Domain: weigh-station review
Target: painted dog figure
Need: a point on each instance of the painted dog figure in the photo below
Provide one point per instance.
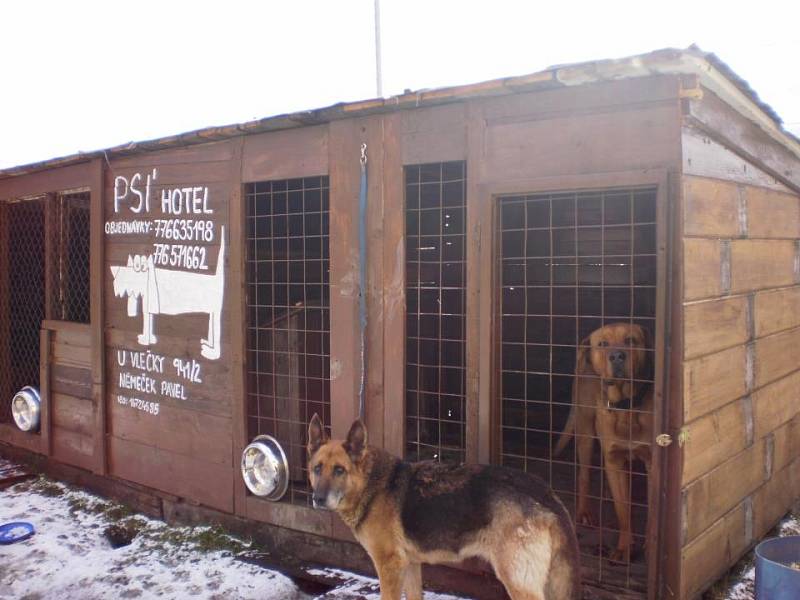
(172, 292)
(405, 514)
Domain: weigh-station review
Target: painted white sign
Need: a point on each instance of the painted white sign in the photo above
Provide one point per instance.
(168, 292)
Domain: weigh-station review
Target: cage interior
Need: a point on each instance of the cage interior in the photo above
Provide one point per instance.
(288, 375)
(570, 266)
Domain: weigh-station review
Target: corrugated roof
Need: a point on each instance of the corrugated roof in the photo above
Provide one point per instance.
(668, 60)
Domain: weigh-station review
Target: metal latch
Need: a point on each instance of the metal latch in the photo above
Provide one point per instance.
(664, 440)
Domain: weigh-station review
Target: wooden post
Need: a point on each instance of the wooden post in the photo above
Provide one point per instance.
(45, 427)
(394, 287)
(97, 313)
(238, 321)
(479, 334)
(344, 142)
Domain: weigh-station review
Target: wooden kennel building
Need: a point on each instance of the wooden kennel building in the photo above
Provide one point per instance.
(172, 299)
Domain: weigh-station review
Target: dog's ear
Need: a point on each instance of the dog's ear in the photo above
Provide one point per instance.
(648, 338)
(356, 442)
(582, 359)
(316, 435)
(648, 368)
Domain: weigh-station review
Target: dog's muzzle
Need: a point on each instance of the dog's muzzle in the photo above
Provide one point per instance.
(617, 360)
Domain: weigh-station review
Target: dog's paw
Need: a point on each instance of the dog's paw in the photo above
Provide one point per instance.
(620, 555)
(584, 517)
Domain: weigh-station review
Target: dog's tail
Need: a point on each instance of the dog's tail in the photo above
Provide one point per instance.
(569, 429)
(580, 367)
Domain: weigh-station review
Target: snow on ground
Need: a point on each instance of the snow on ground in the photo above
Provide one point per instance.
(70, 557)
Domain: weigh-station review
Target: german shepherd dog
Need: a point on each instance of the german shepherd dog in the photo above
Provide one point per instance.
(405, 514)
(612, 400)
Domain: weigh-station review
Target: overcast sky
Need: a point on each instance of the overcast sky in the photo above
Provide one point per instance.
(79, 76)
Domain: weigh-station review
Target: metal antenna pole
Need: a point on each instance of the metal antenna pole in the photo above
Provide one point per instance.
(378, 48)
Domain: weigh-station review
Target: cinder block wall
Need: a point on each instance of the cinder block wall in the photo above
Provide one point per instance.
(741, 370)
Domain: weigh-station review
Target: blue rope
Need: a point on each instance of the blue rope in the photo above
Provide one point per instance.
(362, 279)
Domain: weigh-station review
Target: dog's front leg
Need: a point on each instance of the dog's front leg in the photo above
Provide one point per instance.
(413, 581)
(391, 570)
(584, 445)
(619, 482)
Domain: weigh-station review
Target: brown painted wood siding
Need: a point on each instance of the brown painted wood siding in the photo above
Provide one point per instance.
(169, 399)
(741, 371)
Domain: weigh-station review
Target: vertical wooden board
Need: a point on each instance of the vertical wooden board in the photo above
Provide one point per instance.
(480, 334)
(714, 325)
(237, 285)
(5, 356)
(713, 381)
(52, 249)
(394, 287)
(374, 337)
(46, 415)
(776, 355)
(714, 494)
(702, 269)
(707, 557)
(776, 310)
(713, 438)
(759, 264)
(772, 214)
(776, 404)
(344, 140)
(670, 515)
(97, 316)
(711, 208)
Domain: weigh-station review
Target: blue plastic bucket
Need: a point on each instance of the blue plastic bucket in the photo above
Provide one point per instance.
(775, 579)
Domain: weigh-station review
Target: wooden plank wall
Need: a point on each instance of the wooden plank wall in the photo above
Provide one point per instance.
(69, 390)
(169, 401)
(741, 369)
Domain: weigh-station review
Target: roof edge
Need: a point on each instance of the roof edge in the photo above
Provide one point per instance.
(713, 73)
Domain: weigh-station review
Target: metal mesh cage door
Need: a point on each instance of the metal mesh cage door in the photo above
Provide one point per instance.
(24, 296)
(576, 292)
(288, 324)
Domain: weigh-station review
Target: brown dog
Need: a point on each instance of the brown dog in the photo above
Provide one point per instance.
(612, 400)
(405, 514)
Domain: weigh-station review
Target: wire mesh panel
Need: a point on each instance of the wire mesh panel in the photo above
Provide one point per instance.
(70, 297)
(288, 342)
(436, 306)
(577, 315)
(25, 295)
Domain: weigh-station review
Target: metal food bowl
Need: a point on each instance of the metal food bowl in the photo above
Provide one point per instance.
(265, 469)
(26, 408)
